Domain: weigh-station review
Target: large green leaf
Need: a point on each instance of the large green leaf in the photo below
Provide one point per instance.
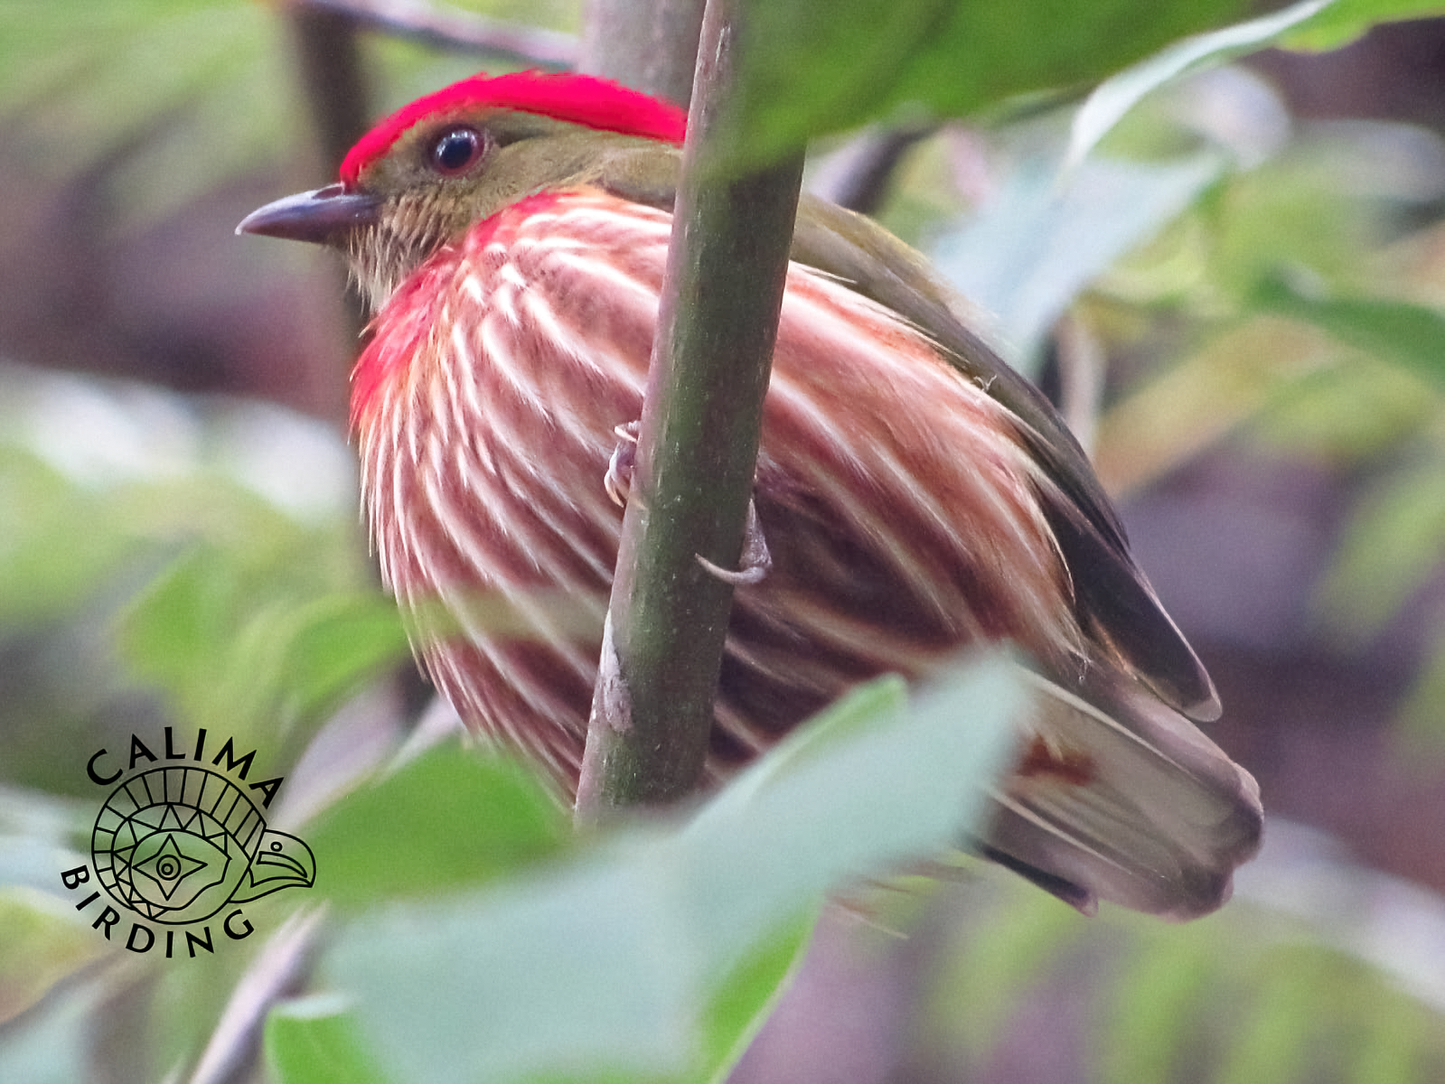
(1041, 238)
(47, 567)
(1391, 548)
(1345, 20)
(449, 819)
(740, 1003)
(1121, 92)
(316, 1040)
(816, 66)
(1410, 335)
(819, 66)
(653, 954)
(41, 942)
(235, 641)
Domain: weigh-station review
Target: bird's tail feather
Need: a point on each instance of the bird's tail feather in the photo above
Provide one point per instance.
(1118, 797)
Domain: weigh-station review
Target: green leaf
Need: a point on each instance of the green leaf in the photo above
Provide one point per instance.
(316, 1041)
(838, 722)
(583, 967)
(815, 66)
(1007, 948)
(338, 641)
(233, 640)
(1410, 335)
(447, 820)
(1289, 1010)
(1345, 20)
(1042, 238)
(177, 630)
(742, 1001)
(1113, 98)
(41, 942)
(47, 567)
(905, 788)
(299, 659)
(1155, 996)
(1391, 547)
(645, 956)
(54, 1043)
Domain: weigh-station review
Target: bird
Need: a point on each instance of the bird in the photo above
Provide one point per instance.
(916, 496)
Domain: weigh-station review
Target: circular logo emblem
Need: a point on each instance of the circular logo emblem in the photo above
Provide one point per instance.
(176, 845)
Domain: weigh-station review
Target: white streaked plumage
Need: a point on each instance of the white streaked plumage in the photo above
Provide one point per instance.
(903, 512)
(552, 384)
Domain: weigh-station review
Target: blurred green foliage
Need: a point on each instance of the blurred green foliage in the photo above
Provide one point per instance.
(1277, 277)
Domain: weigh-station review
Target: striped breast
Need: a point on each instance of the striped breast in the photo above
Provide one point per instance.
(899, 507)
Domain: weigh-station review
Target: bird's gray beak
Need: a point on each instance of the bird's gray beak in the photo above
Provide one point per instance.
(323, 217)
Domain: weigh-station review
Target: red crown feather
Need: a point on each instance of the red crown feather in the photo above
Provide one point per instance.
(579, 99)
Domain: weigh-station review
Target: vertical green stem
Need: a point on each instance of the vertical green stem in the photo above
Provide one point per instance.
(696, 456)
(333, 76)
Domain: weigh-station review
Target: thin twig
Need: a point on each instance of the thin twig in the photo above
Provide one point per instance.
(337, 93)
(451, 30)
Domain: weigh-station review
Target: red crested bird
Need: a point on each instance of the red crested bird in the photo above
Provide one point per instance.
(915, 494)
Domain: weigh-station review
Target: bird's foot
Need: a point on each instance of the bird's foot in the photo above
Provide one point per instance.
(618, 479)
(755, 562)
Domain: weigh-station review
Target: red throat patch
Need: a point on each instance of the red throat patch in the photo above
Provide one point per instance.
(578, 99)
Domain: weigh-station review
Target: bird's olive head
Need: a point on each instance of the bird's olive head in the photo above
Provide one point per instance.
(423, 177)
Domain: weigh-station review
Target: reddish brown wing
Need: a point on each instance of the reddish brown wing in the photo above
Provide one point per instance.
(1114, 598)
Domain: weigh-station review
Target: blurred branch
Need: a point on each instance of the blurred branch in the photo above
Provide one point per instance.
(857, 176)
(332, 77)
(334, 82)
(282, 966)
(1081, 376)
(450, 30)
(649, 45)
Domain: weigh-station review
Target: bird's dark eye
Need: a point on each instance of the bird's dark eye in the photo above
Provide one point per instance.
(456, 150)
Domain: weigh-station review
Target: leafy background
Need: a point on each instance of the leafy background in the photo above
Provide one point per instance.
(1226, 264)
